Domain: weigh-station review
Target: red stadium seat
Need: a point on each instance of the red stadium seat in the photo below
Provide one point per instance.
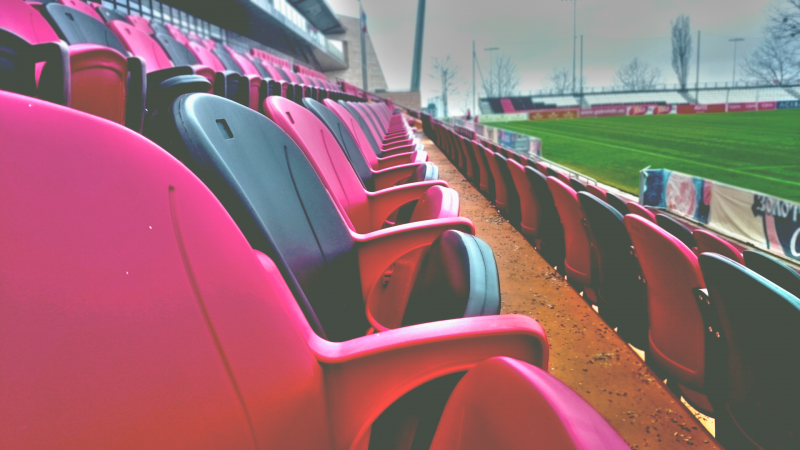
(366, 211)
(671, 272)
(141, 23)
(492, 405)
(596, 191)
(529, 205)
(500, 189)
(512, 197)
(550, 240)
(82, 7)
(677, 229)
(579, 259)
(710, 242)
(639, 210)
(136, 314)
(485, 182)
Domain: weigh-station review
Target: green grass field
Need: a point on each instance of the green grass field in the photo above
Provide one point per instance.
(753, 150)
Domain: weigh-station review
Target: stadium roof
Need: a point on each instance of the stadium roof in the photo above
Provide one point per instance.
(320, 14)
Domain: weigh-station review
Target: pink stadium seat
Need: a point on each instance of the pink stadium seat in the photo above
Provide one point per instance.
(484, 181)
(377, 161)
(671, 272)
(136, 314)
(466, 152)
(176, 33)
(578, 262)
(596, 191)
(500, 188)
(639, 210)
(541, 167)
(710, 242)
(141, 23)
(82, 7)
(367, 211)
(508, 107)
(492, 404)
(529, 205)
(98, 76)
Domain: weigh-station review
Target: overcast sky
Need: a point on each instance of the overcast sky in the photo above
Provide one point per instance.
(537, 35)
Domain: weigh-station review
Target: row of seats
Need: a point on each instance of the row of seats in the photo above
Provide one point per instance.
(126, 69)
(287, 276)
(687, 297)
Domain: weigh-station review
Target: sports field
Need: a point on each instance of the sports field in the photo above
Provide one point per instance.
(754, 150)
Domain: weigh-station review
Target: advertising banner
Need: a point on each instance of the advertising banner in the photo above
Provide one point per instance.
(701, 109)
(665, 109)
(496, 118)
(767, 222)
(788, 104)
(604, 111)
(740, 107)
(553, 114)
(766, 106)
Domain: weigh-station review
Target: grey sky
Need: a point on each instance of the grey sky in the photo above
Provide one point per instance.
(537, 35)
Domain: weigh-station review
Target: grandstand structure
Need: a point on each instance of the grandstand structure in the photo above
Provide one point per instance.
(606, 97)
(208, 244)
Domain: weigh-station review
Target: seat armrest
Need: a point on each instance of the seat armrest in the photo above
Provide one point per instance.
(391, 151)
(378, 250)
(156, 77)
(386, 178)
(395, 160)
(386, 201)
(58, 85)
(366, 375)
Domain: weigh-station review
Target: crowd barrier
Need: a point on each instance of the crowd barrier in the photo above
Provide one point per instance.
(516, 142)
(635, 110)
(769, 223)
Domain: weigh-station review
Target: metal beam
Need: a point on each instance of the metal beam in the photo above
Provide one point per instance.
(417, 67)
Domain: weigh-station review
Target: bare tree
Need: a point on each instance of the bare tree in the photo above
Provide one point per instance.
(775, 61)
(559, 80)
(503, 79)
(682, 48)
(637, 75)
(785, 20)
(446, 73)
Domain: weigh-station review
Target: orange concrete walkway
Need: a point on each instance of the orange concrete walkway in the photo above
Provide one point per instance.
(585, 353)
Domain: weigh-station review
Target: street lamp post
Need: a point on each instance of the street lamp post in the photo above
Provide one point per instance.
(735, 41)
(491, 66)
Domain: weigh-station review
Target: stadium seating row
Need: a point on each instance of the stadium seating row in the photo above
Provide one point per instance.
(704, 311)
(228, 274)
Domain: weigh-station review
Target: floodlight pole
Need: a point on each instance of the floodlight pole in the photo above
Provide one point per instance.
(581, 81)
(491, 68)
(417, 64)
(474, 56)
(697, 80)
(735, 41)
(574, 38)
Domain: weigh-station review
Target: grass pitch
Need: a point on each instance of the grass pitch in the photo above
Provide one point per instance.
(753, 150)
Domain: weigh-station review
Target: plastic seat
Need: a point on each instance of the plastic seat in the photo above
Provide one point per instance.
(108, 14)
(617, 203)
(276, 197)
(101, 81)
(773, 270)
(484, 179)
(376, 173)
(621, 295)
(470, 171)
(541, 167)
(639, 210)
(366, 211)
(528, 203)
(82, 7)
(710, 242)
(677, 229)
(753, 362)
(597, 192)
(671, 272)
(375, 143)
(141, 23)
(550, 240)
(136, 314)
(492, 405)
(500, 188)
(577, 185)
(579, 259)
(387, 142)
(79, 28)
(512, 197)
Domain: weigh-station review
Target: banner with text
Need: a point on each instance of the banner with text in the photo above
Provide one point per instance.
(766, 222)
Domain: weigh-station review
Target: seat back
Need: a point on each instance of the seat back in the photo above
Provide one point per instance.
(466, 149)
(18, 68)
(578, 261)
(597, 191)
(177, 51)
(671, 273)
(226, 60)
(677, 229)
(458, 277)
(621, 294)
(639, 210)
(551, 232)
(512, 198)
(109, 14)
(175, 33)
(141, 23)
(248, 68)
(492, 407)
(352, 123)
(710, 242)
(337, 126)
(773, 270)
(372, 139)
(577, 185)
(528, 204)
(759, 325)
(328, 159)
(142, 45)
(78, 28)
(205, 57)
(276, 197)
(617, 203)
(484, 179)
(23, 20)
(82, 7)
(134, 311)
(500, 188)
(99, 82)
